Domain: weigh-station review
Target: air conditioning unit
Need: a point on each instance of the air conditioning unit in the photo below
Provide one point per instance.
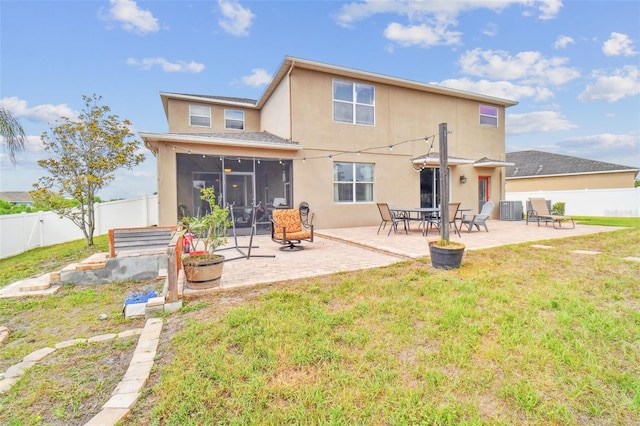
(510, 210)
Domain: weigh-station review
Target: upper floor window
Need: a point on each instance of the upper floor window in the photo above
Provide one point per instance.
(200, 116)
(353, 182)
(488, 115)
(234, 119)
(353, 102)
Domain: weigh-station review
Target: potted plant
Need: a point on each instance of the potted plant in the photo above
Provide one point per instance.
(445, 254)
(202, 235)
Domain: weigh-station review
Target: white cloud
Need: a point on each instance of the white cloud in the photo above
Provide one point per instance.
(549, 9)
(611, 88)
(609, 147)
(429, 22)
(605, 140)
(259, 77)
(536, 122)
(499, 89)
(132, 18)
(490, 30)
(563, 41)
(619, 44)
(236, 19)
(421, 35)
(166, 66)
(45, 113)
(416, 10)
(530, 67)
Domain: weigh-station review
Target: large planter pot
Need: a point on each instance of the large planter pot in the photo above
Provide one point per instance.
(446, 257)
(203, 273)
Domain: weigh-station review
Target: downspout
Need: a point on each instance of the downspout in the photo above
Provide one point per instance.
(293, 63)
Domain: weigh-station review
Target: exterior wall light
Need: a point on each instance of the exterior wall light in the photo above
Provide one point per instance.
(463, 179)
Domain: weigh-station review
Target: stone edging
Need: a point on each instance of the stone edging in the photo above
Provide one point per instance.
(126, 394)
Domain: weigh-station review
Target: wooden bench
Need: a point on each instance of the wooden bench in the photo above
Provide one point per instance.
(139, 239)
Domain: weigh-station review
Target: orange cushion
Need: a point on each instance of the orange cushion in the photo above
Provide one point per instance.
(287, 218)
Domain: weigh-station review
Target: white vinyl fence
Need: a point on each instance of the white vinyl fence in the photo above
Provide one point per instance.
(24, 231)
(621, 202)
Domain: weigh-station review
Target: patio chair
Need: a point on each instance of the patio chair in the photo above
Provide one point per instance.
(453, 213)
(539, 210)
(479, 219)
(392, 218)
(287, 229)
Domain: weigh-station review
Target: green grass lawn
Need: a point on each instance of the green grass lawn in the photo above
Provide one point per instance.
(516, 336)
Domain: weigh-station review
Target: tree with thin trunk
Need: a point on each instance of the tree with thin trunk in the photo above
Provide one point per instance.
(83, 156)
(12, 134)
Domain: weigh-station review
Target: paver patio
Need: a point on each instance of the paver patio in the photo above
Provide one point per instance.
(348, 249)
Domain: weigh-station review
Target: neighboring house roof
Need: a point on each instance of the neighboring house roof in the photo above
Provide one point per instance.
(16, 197)
(290, 63)
(529, 164)
(246, 139)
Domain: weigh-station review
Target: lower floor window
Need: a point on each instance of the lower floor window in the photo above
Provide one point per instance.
(353, 182)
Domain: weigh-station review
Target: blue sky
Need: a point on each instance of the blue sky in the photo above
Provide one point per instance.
(573, 66)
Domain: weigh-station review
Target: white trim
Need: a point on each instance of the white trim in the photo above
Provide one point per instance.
(494, 164)
(571, 174)
(435, 161)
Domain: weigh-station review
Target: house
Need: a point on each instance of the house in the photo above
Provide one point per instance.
(17, 197)
(337, 138)
(544, 171)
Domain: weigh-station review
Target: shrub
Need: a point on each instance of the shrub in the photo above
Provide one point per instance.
(558, 208)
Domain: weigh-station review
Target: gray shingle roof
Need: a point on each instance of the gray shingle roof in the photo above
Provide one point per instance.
(538, 163)
(243, 136)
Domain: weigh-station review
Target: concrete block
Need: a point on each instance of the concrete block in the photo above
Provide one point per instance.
(108, 416)
(135, 310)
(129, 386)
(172, 307)
(143, 357)
(137, 371)
(122, 400)
(129, 333)
(155, 301)
(16, 370)
(102, 337)
(37, 355)
(154, 311)
(5, 384)
(68, 343)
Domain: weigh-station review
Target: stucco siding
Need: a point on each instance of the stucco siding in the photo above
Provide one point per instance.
(276, 112)
(179, 118)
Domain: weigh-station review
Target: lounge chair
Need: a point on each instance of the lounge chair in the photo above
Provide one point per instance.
(479, 219)
(539, 210)
(392, 218)
(287, 229)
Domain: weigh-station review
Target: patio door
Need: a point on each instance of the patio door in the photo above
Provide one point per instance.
(483, 191)
(430, 187)
(238, 191)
